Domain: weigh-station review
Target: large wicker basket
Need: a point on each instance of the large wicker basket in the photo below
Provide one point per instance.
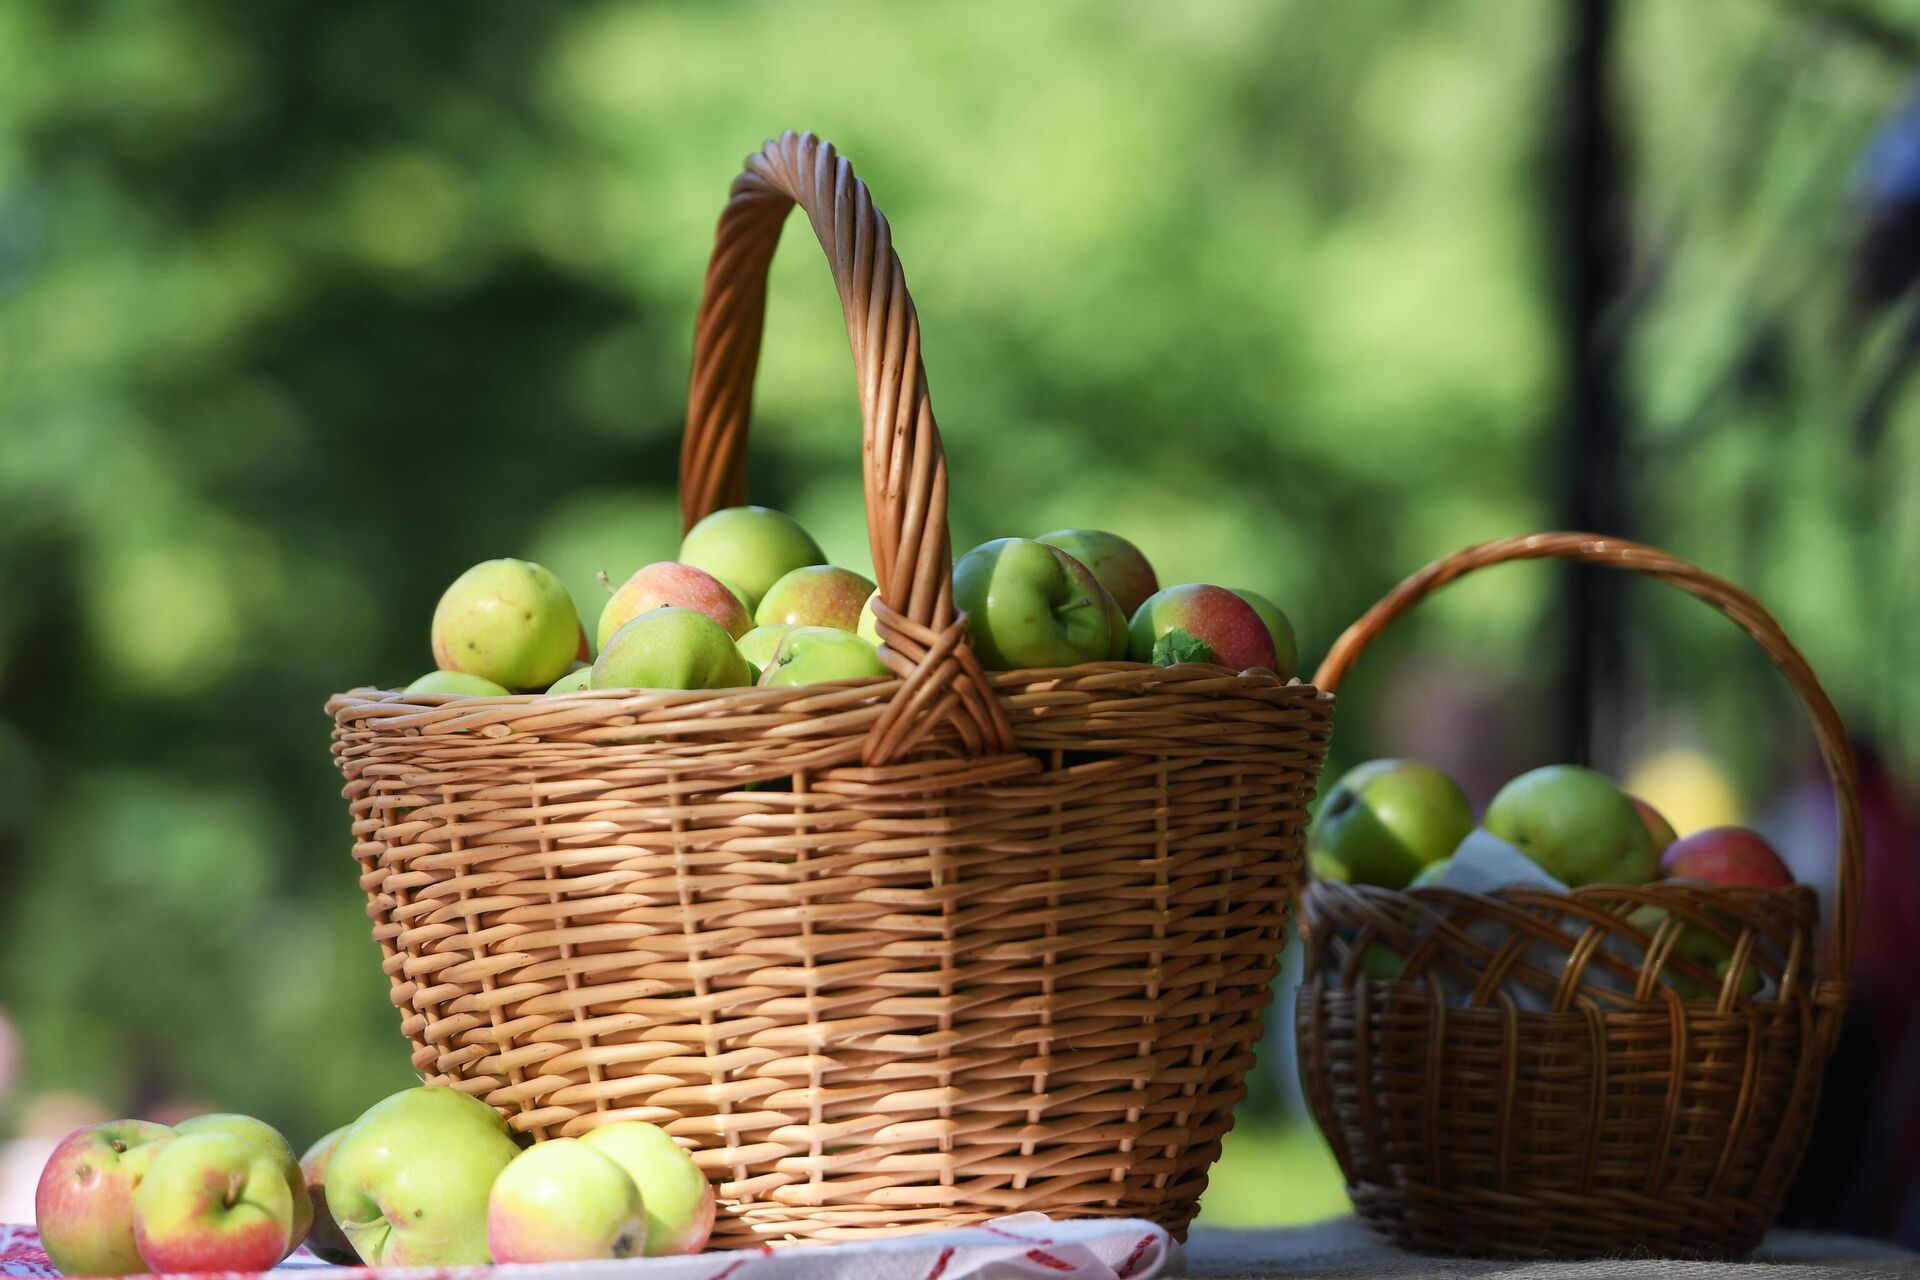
(884, 954)
(1529, 1084)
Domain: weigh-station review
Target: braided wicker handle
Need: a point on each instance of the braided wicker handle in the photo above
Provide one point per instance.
(925, 641)
(1617, 553)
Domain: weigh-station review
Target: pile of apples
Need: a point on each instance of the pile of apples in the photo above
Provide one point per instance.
(751, 600)
(1400, 823)
(428, 1177)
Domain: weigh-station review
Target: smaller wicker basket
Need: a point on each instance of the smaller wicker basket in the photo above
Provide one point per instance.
(1528, 1085)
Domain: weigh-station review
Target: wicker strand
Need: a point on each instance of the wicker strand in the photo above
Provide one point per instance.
(905, 465)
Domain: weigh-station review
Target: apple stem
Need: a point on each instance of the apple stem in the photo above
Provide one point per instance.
(604, 581)
(234, 1181)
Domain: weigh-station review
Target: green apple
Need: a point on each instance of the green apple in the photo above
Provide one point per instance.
(1659, 830)
(563, 1201)
(1430, 874)
(83, 1204)
(1117, 563)
(267, 1140)
(1225, 627)
(509, 621)
(1387, 819)
(683, 586)
(1700, 945)
(408, 1181)
(670, 649)
(678, 1198)
(578, 680)
(1579, 826)
(811, 655)
(749, 548)
(456, 682)
(213, 1202)
(757, 645)
(1029, 604)
(815, 595)
(869, 628)
(326, 1241)
(1286, 649)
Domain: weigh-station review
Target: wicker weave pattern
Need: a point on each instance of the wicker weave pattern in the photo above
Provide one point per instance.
(885, 954)
(1530, 1084)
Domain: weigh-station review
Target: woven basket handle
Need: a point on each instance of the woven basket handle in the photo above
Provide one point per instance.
(1617, 553)
(925, 641)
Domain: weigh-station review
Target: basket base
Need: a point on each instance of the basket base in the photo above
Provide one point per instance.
(1476, 1222)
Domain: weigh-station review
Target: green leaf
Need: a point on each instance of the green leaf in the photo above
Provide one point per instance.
(1177, 646)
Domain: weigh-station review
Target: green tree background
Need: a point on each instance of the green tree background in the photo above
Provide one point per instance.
(305, 307)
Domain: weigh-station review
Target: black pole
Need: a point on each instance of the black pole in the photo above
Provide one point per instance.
(1592, 246)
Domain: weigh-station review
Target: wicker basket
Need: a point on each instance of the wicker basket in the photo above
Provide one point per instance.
(1528, 1085)
(884, 954)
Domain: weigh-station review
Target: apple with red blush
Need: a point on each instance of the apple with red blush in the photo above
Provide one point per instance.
(1733, 857)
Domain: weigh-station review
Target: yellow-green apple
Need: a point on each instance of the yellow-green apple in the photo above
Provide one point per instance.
(678, 1198)
(869, 628)
(749, 548)
(408, 1181)
(1195, 622)
(757, 645)
(1386, 820)
(84, 1201)
(815, 595)
(267, 1140)
(1659, 830)
(1115, 562)
(1731, 856)
(670, 648)
(682, 586)
(1029, 604)
(1702, 946)
(563, 1201)
(510, 621)
(575, 681)
(1286, 648)
(213, 1202)
(326, 1240)
(456, 682)
(811, 655)
(1579, 826)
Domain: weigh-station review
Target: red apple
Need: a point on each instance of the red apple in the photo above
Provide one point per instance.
(667, 584)
(1229, 631)
(817, 595)
(213, 1202)
(84, 1203)
(1113, 560)
(1730, 856)
(327, 1241)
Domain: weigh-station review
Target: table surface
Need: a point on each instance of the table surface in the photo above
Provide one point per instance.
(1342, 1247)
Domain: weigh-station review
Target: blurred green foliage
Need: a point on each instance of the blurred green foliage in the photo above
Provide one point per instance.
(305, 307)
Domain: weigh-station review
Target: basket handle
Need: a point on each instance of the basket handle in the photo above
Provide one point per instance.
(1617, 553)
(924, 639)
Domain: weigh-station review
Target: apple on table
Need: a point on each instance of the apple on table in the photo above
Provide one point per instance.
(563, 1201)
(211, 1201)
(269, 1142)
(84, 1201)
(679, 1200)
(326, 1240)
(408, 1182)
